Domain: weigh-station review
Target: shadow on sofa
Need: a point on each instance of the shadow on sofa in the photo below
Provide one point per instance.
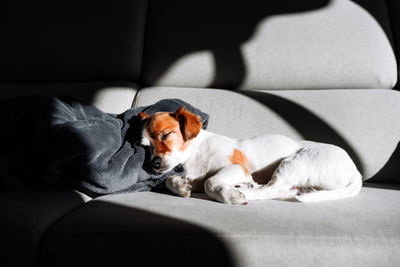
(306, 123)
(50, 41)
(389, 172)
(25, 217)
(378, 12)
(312, 127)
(220, 27)
(103, 233)
(388, 186)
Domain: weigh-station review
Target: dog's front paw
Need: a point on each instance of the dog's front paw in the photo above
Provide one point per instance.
(234, 196)
(179, 185)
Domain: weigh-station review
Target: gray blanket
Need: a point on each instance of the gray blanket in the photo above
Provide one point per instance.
(50, 143)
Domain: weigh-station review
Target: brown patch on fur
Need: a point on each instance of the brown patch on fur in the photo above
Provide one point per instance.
(183, 124)
(190, 124)
(239, 158)
(160, 125)
(144, 115)
(162, 148)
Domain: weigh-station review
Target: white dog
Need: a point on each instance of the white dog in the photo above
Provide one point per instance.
(226, 168)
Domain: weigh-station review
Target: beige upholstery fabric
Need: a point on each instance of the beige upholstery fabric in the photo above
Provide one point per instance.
(361, 121)
(111, 97)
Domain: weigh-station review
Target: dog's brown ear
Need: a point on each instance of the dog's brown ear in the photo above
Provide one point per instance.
(144, 115)
(190, 124)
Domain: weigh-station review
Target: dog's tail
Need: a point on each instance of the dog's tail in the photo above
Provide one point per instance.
(350, 191)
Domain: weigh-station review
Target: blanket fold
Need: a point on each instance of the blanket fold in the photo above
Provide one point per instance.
(57, 142)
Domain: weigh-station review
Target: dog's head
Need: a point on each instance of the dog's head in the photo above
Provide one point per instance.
(169, 135)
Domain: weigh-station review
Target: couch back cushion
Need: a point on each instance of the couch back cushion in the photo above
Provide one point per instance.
(110, 97)
(393, 7)
(269, 44)
(75, 41)
(363, 122)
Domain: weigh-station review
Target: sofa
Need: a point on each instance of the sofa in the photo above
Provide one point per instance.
(322, 70)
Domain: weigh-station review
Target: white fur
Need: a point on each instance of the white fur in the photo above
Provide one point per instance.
(308, 171)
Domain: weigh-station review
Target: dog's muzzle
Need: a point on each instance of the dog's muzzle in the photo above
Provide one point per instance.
(156, 163)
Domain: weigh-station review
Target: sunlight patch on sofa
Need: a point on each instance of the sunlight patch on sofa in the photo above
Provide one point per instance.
(187, 65)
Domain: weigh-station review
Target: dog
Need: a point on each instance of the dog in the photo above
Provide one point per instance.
(225, 168)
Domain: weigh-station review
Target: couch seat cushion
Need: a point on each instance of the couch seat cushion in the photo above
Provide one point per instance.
(161, 228)
(25, 216)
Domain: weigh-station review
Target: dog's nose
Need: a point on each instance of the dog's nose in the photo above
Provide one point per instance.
(156, 163)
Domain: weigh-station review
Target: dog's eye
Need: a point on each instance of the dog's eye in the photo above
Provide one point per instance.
(164, 136)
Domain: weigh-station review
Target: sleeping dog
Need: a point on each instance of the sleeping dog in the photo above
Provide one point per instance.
(224, 167)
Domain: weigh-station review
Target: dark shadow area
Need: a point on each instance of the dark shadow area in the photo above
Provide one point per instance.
(177, 28)
(82, 92)
(307, 124)
(25, 217)
(263, 176)
(106, 234)
(393, 7)
(71, 41)
(389, 186)
(386, 15)
(390, 172)
(378, 10)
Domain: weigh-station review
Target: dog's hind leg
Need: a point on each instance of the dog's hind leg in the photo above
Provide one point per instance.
(283, 183)
(270, 191)
(221, 186)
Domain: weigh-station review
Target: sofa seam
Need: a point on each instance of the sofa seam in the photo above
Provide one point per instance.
(143, 44)
(223, 235)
